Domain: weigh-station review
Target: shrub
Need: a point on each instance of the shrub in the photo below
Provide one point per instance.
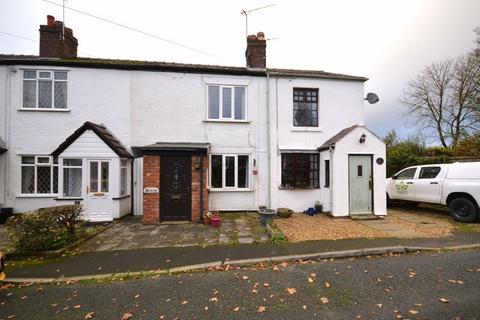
(46, 229)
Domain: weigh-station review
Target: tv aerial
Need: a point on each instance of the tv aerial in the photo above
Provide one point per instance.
(247, 12)
(372, 98)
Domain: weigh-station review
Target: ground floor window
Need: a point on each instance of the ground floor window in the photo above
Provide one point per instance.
(300, 170)
(229, 171)
(123, 177)
(39, 175)
(327, 173)
(72, 177)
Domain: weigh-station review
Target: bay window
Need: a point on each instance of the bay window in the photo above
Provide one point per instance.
(39, 175)
(300, 170)
(229, 172)
(226, 103)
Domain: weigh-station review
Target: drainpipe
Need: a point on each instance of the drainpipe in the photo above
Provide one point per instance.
(332, 188)
(7, 132)
(269, 157)
(201, 187)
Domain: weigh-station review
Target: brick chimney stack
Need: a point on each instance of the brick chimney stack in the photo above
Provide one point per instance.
(256, 53)
(53, 44)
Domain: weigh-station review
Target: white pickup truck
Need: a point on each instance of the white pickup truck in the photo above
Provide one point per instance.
(456, 185)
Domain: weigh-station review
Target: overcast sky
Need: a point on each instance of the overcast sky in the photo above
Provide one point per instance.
(388, 41)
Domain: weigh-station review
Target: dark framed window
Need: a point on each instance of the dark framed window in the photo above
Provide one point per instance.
(327, 173)
(305, 107)
(429, 172)
(300, 170)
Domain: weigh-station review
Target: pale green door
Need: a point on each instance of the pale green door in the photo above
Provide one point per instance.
(360, 184)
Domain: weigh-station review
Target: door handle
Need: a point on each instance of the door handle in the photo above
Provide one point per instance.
(409, 182)
(433, 182)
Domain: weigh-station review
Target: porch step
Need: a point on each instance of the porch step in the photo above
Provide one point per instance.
(366, 217)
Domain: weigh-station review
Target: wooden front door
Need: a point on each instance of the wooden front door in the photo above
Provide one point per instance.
(360, 184)
(175, 188)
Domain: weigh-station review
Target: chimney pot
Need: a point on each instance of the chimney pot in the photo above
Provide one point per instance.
(260, 36)
(50, 21)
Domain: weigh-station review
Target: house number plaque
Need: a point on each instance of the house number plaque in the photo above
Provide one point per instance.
(150, 190)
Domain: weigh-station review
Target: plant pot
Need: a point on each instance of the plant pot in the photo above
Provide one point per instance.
(319, 208)
(266, 215)
(207, 220)
(284, 212)
(216, 222)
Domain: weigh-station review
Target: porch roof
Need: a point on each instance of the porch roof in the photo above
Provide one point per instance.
(201, 147)
(102, 132)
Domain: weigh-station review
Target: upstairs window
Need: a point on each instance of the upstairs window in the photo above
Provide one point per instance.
(300, 170)
(44, 89)
(305, 107)
(39, 175)
(226, 103)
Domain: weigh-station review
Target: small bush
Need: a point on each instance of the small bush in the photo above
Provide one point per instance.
(46, 229)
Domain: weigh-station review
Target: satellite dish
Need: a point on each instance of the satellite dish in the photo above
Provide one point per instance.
(372, 98)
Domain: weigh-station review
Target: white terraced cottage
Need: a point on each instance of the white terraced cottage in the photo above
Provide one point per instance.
(170, 141)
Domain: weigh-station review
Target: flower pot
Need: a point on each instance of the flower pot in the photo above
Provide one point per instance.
(266, 215)
(207, 220)
(216, 222)
(319, 208)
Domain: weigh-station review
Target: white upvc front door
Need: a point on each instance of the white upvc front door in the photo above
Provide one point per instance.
(99, 199)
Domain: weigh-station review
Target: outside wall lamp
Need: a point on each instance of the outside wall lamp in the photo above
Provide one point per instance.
(362, 138)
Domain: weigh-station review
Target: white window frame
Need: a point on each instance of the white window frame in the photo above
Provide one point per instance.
(37, 164)
(124, 166)
(235, 187)
(37, 92)
(232, 103)
(63, 166)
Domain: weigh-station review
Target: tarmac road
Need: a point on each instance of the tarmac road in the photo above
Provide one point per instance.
(393, 287)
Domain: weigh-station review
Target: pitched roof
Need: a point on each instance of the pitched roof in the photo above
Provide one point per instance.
(102, 132)
(330, 142)
(171, 67)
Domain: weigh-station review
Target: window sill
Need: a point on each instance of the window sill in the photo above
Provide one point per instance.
(306, 129)
(297, 188)
(68, 199)
(226, 121)
(43, 110)
(229, 190)
(48, 195)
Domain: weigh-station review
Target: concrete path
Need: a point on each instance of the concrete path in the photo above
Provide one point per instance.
(129, 234)
(101, 262)
(389, 228)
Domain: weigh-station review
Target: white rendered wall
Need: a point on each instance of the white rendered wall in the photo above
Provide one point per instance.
(341, 105)
(350, 145)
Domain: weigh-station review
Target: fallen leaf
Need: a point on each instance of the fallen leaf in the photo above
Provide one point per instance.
(399, 316)
(379, 305)
(24, 297)
(245, 277)
(444, 300)
(77, 306)
(262, 309)
(54, 305)
(310, 280)
(327, 285)
(386, 290)
(418, 304)
(254, 291)
(413, 311)
(266, 285)
(206, 308)
(291, 290)
(137, 295)
(127, 315)
(184, 302)
(324, 300)
(304, 307)
(313, 275)
(89, 315)
(236, 308)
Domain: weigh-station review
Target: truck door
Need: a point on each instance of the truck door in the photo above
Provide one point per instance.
(403, 185)
(428, 184)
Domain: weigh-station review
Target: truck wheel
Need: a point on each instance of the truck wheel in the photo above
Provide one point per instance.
(463, 210)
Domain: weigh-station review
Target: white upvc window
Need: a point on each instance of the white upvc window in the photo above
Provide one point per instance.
(123, 177)
(72, 178)
(229, 172)
(39, 175)
(44, 89)
(227, 103)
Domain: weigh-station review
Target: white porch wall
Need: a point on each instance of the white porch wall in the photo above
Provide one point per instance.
(350, 145)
